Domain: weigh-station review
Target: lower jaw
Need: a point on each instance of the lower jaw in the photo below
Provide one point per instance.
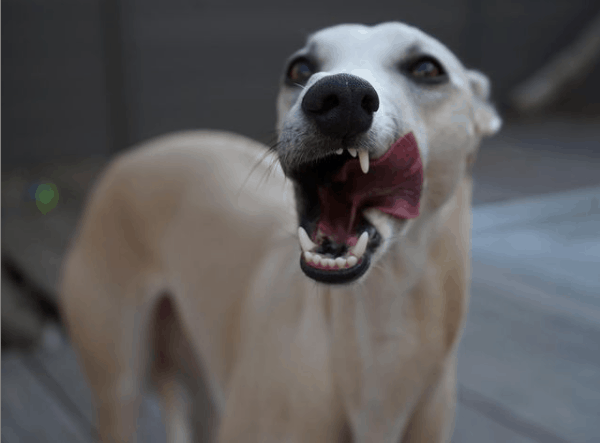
(336, 276)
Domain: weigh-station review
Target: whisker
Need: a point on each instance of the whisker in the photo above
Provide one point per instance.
(268, 172)
(268, 152)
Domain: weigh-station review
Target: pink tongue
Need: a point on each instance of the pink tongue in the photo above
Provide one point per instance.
(392, 185)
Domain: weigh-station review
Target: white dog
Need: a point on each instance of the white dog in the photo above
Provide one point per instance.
(319, 293)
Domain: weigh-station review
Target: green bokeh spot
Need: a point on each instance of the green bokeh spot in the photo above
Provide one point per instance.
(46, 197)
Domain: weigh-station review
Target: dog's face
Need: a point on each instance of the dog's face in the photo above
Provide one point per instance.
(376, 127)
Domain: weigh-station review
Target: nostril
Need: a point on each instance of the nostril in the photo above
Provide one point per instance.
(321, 104)
(370, 103)
(330, 102)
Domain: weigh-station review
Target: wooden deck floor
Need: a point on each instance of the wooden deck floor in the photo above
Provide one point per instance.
(529, 363)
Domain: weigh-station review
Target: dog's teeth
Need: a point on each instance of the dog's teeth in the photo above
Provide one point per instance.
(329, 262)
(322, 261)
(361, 245)
(352, 260)
(352, 152)
(340, 151)
(305, 243)
(340, 262)
(308, 256)
(363, 157)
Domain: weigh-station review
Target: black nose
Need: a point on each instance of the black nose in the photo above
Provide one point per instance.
(341, 105)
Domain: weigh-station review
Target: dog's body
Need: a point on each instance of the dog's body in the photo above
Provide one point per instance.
(186, 263)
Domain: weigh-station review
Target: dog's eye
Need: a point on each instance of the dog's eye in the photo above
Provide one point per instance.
(299, 72)
(427, 69)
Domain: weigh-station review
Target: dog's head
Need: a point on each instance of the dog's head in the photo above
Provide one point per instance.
(376, 126)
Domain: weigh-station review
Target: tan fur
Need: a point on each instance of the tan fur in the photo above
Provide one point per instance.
(185, 268)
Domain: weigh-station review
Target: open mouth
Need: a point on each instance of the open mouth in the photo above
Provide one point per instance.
(333, 193)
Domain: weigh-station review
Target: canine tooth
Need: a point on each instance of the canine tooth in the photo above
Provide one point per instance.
(305, 243)
(363, 157)
(340, 151)
(352, 152)
(308, 256)
(361, 245)
(352, 260)
(340, 262)
(329, 262)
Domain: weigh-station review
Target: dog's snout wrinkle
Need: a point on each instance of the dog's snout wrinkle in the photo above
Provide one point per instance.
(341, 105)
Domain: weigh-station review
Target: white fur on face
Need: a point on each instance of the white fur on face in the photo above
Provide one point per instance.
(374, 54)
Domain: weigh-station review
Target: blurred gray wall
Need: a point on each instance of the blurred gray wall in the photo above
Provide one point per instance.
(89, 77)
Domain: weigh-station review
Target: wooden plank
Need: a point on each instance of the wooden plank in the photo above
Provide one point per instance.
(30, 412)
(544, 368)
(36, 246)
(9, 435)
(547, 247)
(531, 340)
(21, 322)
(473, 427)
(488, 408)
(576, 204)
(151, 427)
(539, 361)
(58, 367)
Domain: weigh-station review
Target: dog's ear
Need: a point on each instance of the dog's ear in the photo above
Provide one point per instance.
(487, 120)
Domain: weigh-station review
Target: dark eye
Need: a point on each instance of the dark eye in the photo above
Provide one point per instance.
(299, 72)
(428, 70)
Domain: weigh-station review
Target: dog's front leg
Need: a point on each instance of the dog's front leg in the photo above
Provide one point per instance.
(281, 389)
(382, 364)
(433, 418)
